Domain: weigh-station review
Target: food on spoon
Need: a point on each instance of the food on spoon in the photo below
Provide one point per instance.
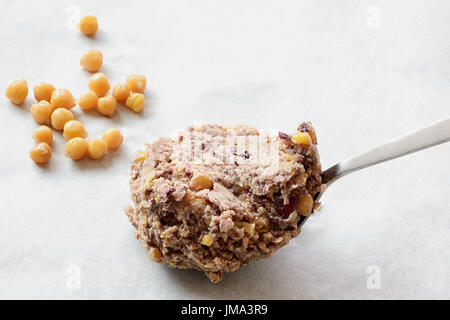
(215, 198)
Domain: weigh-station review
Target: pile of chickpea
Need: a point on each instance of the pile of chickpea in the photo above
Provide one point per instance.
(52, 107)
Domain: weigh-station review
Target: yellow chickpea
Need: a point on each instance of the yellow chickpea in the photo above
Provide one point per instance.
(99, 84)
(88, 25)
(200, 182)
(43, 91)
(43, 134)
(76, 148)
(305, 205)
(41, 153)
(121, 91)
(42, 112)
(62, 98)
(96, 148)
(17, 91)
(92, 60)
(107, 105)
(113, 138)
(88, 100)
(136, 82)
(136, 102)
(73, 129)
(60, 116)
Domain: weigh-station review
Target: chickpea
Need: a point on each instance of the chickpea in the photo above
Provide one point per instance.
(88, 25)
(99, 84)
(62, 98)
(76, 148)
(43, 134)
(60, 116)
(42, 112)
(136, 102)
(17, 91)
(96, 148)
(305, 205)
(43, 91)
(41, 153)
(113, 138)
(136, 82)
(92, 60)
(107, 106)
(73, 129)
(200, 182)
(154, 254)
(121, 91)
(88, 100)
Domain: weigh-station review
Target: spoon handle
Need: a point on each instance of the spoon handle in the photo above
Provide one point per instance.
(429, 136)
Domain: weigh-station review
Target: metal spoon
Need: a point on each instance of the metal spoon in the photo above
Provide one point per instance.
(429, 136)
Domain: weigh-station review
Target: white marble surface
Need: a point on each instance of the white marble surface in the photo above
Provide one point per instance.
(362, 71)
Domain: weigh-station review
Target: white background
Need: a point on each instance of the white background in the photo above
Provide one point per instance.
(363, 72)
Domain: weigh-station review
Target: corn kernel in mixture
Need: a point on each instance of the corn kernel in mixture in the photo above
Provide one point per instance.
(207, 240)
(154, 254)
(249, 228)
(301, 138)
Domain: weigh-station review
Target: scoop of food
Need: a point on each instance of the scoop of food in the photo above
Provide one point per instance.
(214, 198)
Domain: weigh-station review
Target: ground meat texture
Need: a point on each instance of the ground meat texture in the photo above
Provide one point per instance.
(214, 198)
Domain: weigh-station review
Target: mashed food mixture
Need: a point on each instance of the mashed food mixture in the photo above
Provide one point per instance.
(214, 198)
